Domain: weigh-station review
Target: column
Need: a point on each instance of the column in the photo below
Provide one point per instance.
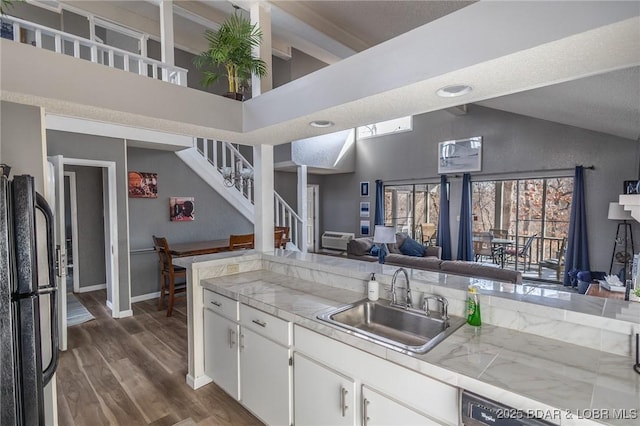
(166, 35)
(302, 206)
(261, 15)
(263, 197)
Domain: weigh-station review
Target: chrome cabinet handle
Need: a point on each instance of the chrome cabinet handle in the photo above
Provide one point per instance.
(365, 415)
(231, 340)
(260, 323)
(216, 303)
(241, 341)
(343, 400)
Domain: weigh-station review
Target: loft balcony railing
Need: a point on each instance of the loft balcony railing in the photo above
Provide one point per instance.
(68, 44)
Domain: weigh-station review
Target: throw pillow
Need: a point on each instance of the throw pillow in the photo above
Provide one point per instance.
(374, 250)
(411, 247)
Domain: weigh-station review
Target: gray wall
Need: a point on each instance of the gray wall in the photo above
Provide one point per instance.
(513, 146)
(215, 217)
(90, 206)
(74, 145)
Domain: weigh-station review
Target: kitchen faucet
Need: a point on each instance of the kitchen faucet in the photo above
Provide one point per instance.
(408, 301)
(441, 299)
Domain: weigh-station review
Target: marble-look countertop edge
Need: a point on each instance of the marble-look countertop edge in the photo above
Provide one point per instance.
(419, 363)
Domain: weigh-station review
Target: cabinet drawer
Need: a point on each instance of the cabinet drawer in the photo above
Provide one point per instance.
(221, 304)
(265, 324)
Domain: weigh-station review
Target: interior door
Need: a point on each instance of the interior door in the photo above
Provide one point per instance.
(60, 242)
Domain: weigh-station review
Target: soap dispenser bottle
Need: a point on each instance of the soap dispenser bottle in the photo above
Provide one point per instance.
(373, 288)
(473, 307)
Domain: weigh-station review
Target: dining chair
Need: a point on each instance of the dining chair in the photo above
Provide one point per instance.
(499, 233)
(556, 263)
(428, 230)
(241, 241)
(482, 246)
(168, 275)
(278, 236)
(523, 252)
(285, 235)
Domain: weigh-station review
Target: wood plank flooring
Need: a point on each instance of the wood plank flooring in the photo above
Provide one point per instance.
(131, 371)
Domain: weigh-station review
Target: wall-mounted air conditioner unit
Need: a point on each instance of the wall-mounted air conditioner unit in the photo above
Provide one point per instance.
(336, 240)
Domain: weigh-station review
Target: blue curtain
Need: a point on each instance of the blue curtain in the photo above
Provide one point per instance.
(378, 218)
(465, 244)
(577, 255)
(444, 231)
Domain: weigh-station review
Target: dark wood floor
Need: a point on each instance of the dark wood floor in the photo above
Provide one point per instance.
(131, 371)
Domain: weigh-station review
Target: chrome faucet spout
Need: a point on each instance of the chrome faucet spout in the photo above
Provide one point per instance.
(445, 306)
(408, 300)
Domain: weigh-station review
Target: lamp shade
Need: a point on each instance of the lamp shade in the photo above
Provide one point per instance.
(384, 234)
(617, 212)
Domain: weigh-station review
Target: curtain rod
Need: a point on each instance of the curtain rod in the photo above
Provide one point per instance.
(422, 179)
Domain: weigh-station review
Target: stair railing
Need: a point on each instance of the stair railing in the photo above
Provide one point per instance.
(227, 159)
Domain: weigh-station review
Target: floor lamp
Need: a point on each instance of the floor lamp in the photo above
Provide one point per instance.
(617, 212)
(383, 235)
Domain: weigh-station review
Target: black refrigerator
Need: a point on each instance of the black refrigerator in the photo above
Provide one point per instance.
(27, 280)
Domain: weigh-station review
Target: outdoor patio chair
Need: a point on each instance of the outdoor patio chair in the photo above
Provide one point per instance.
(523, 252)
(482, 246)
(556, 263)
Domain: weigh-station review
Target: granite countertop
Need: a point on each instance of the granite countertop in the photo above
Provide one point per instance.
(518, 369)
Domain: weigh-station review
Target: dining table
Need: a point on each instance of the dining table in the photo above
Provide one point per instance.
(196, 248)
(499, 245)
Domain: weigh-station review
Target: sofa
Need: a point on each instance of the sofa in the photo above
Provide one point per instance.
(361, 249)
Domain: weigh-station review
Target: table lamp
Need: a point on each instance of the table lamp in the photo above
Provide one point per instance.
(383, 235)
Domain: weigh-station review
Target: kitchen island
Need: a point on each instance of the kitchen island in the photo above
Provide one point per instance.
(561, 356)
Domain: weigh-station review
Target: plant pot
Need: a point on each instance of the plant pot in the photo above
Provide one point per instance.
(234, 95)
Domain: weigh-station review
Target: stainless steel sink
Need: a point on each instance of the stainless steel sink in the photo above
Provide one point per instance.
(405, 330)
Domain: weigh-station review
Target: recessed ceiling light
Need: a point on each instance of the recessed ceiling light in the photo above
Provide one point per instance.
(321, 123)
(454, 90)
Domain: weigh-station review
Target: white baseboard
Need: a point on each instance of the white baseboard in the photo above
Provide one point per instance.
(144, 297)
(92, 288)
(127, 313)
(195, 383)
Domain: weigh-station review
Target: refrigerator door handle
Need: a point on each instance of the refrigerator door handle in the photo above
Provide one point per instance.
(43, 206)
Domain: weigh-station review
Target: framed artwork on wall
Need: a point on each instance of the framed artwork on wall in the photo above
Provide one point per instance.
(364, 189)
(364, 227)
(143, 185)
(631, 187)
(461, 155)
(181, 209)
(364, 208)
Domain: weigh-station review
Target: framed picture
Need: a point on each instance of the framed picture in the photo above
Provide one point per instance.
(364, 227)
(364, 189)
(143, 185)
(631, 187)
(462, 155)
(364, 208)
(181, 209)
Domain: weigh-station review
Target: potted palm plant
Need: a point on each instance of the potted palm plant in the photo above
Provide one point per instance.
(230, 48)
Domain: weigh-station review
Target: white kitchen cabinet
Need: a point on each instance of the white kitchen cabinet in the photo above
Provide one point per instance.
(265, 378)
(221, 355)
(378, 410)
(321, 395)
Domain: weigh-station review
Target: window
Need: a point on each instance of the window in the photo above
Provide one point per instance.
(403, 124)
(525, 207)
(408, 206)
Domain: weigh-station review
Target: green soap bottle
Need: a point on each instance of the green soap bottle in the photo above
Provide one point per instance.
(473, 307)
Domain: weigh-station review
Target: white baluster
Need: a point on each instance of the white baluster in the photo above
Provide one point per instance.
(126, 62)
(111, 61)
(57, 42)
(76, 48)
(38, 38)
(94, 54)
(214, 157)
(16, 32)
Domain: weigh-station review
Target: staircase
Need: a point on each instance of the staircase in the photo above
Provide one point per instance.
(212, 159)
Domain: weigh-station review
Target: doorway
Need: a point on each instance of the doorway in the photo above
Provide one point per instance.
(107, 170)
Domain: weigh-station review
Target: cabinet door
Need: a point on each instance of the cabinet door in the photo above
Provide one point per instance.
(321, 396)
(221, 352)
(265, 377)
(378, 409)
